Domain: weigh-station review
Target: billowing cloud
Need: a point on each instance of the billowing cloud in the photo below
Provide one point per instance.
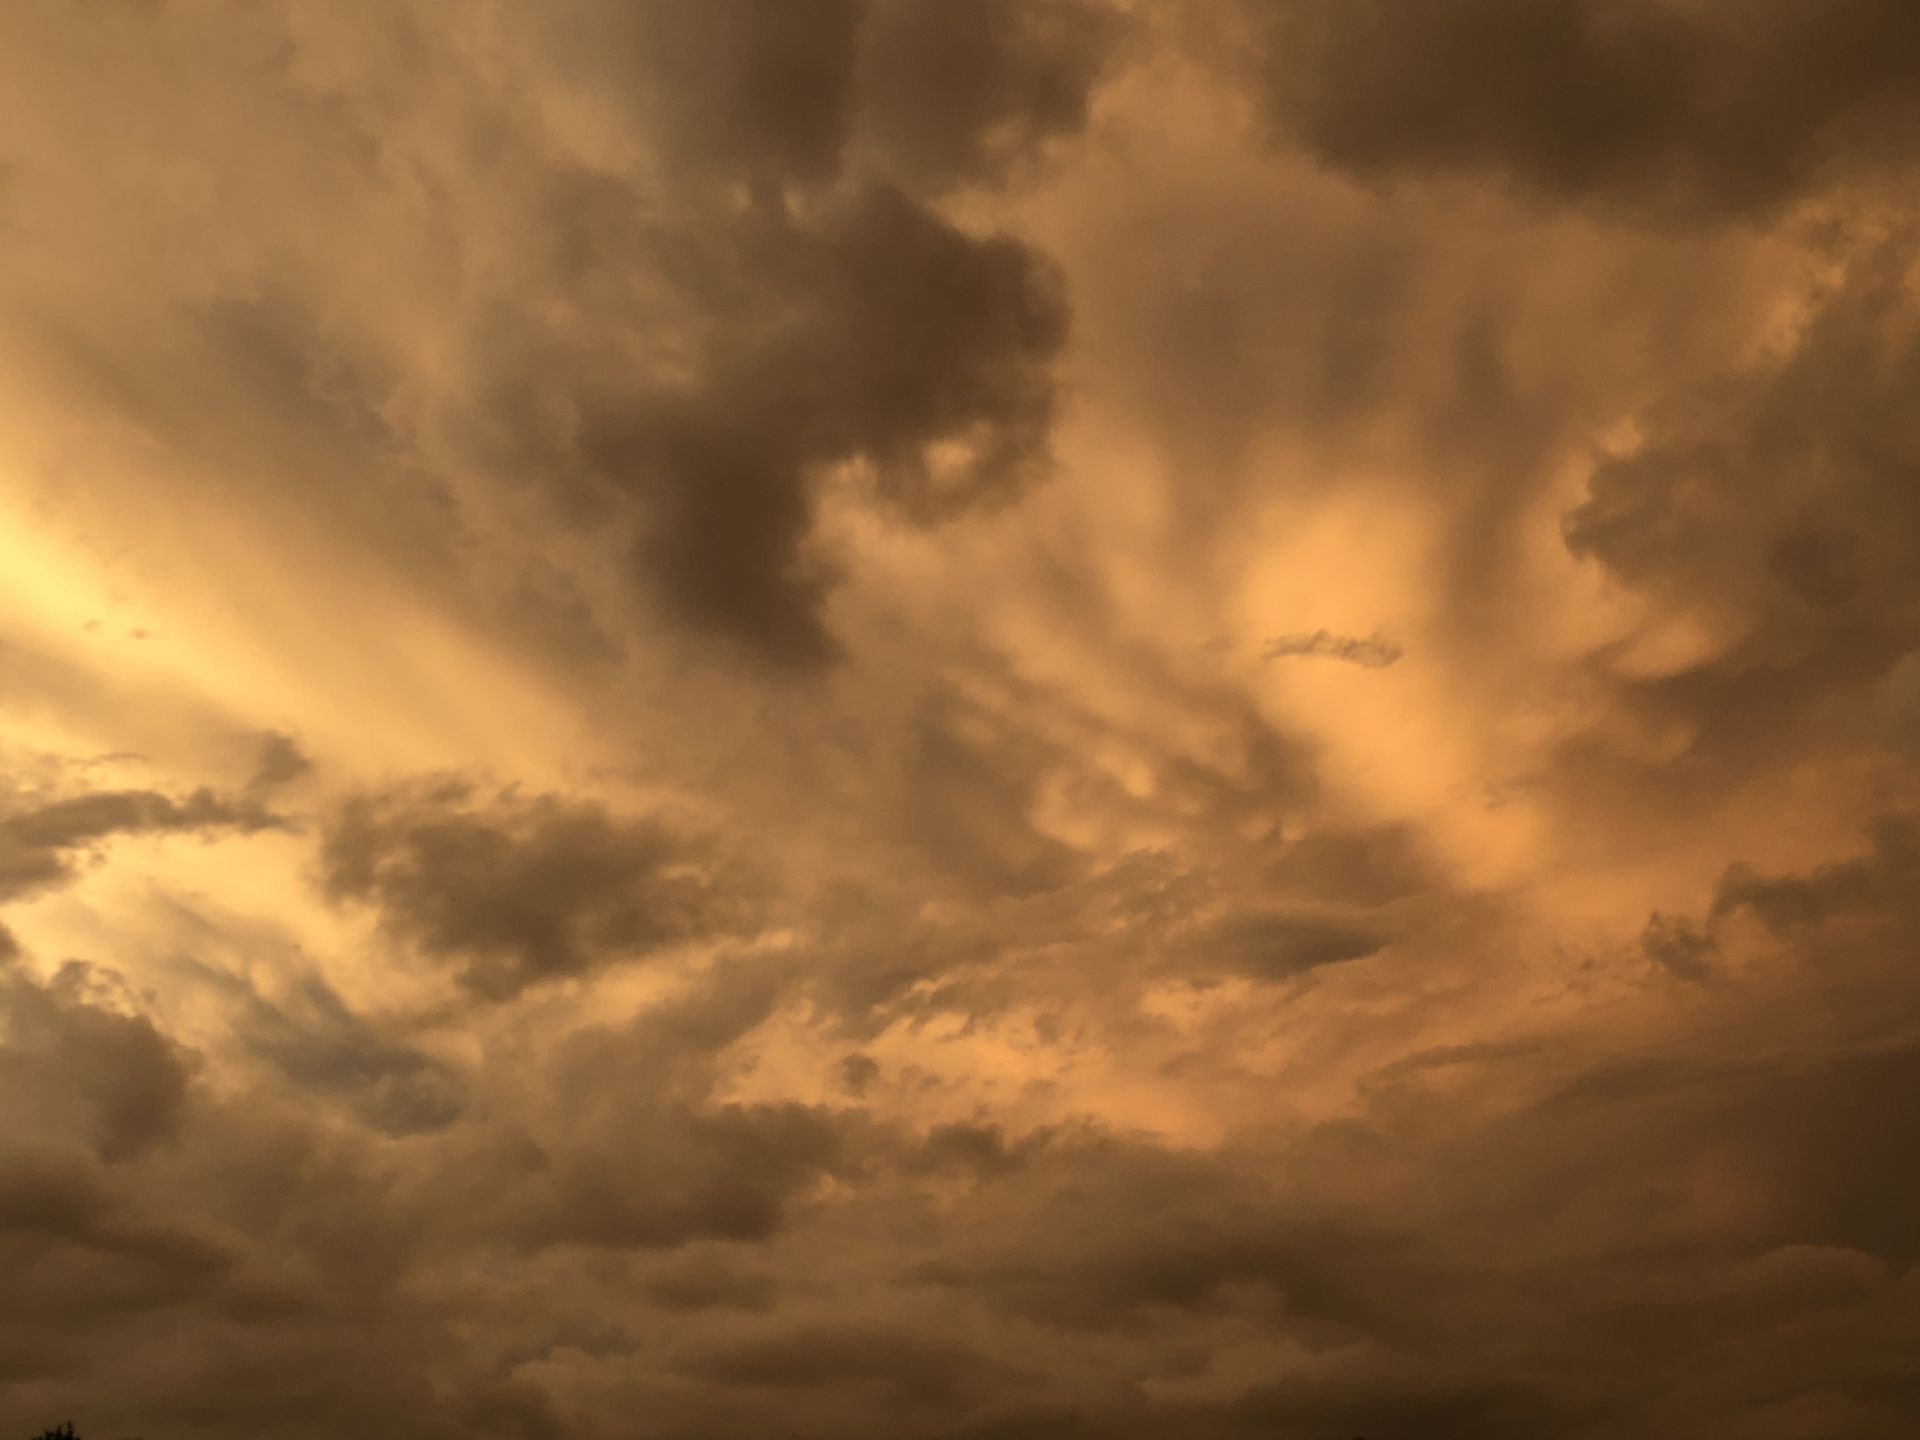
(958, 718)
(514, 892)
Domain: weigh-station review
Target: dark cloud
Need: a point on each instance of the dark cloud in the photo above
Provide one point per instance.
(109, 1255)
(745, 88)
(1278, 945)
(727, 1172)
(955, 92)
(755, 91)
(1109, 1233)
(1076, 1025)
(880, 335)
(981, 1150)
(282, 761)
(970, 794)
(696, 1278)
(1775, 506)
(922, 1370)
(854, 327)
(1879, 884)
(685, 333)
(857, 1073)
(39, 840)
(1682, 947)
(319, 1045)
(1681, 106)
(622, 1140)
(513, 892)
(218, 1266)
(73, 1066)
(1377, 1401)
(1371, 652)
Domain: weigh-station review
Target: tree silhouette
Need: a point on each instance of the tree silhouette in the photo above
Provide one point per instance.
(64, 1432)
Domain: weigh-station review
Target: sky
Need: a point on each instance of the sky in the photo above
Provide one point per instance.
(970, 719)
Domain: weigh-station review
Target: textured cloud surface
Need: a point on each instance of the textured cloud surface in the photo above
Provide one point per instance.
(959, 718)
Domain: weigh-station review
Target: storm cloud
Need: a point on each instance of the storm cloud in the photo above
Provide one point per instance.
(967, 719)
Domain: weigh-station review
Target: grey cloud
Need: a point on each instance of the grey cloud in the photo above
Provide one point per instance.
(857, 1073)
(1776, 502)
(844, 322)
(747, 88)
(982, 1150)
(1873, 892)
(514, 892)
(693, 1278)
(1680, 946)
(971, 787)
(964, 92)
(243, 1275)
(316, 1041)
(1278, 945)
(83, 1071)
(1878, 884)
(98, 1248)
(1371, 652)
(920, 1369)
(1107, 1233)
(38, 841)
(701, 1172)
(621, 1141)
(701, 277)
(862, 329)
(1686, 108)
(282, 761)
(683, 332)
(757, 91)
(1375, 1400)
(879, 335)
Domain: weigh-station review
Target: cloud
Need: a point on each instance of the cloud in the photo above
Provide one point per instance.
(82, 1071)
(804, 307)
(1371, 652)
(38, 840)
(282, 761)
(878, 335)
(925, 1371)
(939, 94)
(1675, 106)
(321, 1047)
(515, 892)
(953, 94)
(1278, 945)
(1769, 515)
(982, 719)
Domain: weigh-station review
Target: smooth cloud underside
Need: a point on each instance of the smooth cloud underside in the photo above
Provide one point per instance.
(959, 718)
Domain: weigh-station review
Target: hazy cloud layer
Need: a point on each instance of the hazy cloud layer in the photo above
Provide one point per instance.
(984, 719)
